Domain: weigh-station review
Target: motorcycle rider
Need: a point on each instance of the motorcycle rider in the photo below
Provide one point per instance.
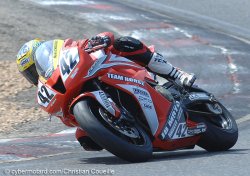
(126, 46)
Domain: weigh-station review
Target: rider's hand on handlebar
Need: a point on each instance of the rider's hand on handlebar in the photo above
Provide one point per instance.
(98, 40)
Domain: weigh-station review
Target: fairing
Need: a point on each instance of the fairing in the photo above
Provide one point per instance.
(76, 67)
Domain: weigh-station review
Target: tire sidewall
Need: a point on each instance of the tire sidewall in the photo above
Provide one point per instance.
(108, 140)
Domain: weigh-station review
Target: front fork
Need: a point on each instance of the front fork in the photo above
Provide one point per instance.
(101, 97)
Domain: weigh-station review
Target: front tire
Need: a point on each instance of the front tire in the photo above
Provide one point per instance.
(88, 117)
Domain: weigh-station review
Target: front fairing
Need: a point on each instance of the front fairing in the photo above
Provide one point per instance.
(66, 80)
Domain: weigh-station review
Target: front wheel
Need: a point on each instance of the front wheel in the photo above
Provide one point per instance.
(125, 140)
(222, 130)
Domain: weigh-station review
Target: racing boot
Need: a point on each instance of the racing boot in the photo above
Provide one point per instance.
(159, 65)
(85, 141)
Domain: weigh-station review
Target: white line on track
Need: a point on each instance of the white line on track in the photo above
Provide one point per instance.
(34, 158)
(68, 131)
(7, 140)
(65, 2)
(243, 119)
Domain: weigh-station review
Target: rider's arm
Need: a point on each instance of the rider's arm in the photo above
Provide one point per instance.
(104, 37)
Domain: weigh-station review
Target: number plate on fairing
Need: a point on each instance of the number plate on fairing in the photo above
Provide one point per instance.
(44, 95)
(68, 60)
(175, 127)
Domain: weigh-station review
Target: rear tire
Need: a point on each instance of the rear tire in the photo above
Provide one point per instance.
(86, 114)
(216, 137)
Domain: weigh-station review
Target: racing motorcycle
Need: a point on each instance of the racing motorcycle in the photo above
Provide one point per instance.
(124, 110)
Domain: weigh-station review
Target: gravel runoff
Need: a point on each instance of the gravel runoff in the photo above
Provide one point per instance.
(19, 23)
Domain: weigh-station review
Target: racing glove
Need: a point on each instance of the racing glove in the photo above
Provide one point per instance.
(99, 40)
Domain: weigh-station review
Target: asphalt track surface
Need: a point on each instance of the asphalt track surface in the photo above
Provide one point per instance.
(221, 63)
(227, 16)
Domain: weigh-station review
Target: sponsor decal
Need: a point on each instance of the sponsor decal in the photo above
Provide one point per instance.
(49, 72)
(148, 106)
(124, 78)
(24, 62)
(115, 76)
(23, 51)
(164, 132)
(200, 128)
(160, 59)
(176, 127)
(144, 99)
(172, 122)
(173, 114)
(172, 129)
(55, 48)
(104, 99)
(197, 96)
(146, 103)
(140, 92)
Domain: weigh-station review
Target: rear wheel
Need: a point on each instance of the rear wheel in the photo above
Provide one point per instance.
(222, 130)
(125, 139)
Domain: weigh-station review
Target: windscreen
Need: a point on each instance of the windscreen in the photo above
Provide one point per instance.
(44, 59)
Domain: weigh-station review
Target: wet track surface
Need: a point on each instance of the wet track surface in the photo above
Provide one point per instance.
(220, 62)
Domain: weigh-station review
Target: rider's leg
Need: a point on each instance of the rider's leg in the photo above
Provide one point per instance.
(135, 50)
